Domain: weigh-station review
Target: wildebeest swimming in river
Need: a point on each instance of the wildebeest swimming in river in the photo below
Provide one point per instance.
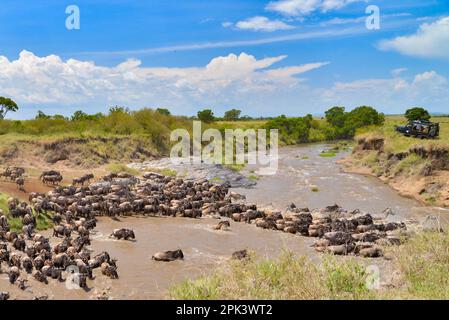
(168, 255)
(123, 234)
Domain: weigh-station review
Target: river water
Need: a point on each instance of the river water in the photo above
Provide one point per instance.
(300, 170)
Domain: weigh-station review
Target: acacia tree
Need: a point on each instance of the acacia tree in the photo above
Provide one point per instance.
(336, 116)
(7, 105)
(163, 111)
(232, 115)
(206, 115)
(417, 113)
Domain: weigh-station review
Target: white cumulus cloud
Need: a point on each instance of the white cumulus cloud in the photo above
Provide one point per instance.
(34, 80)
(260, 23)
(430, 41)
(295, 8)
(393, 95)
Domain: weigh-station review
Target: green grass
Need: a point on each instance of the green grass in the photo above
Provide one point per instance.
(253, 177)
(423, 265)
(3, 202)
(247, 124)
(328, 154)
(396, 142)
(420, 266)
(119, 167)
(410, 165)
(235, 166)
(43, 221)
(287, 277)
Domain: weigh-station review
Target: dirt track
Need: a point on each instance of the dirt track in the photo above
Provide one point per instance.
(34, 184)
(31, 185)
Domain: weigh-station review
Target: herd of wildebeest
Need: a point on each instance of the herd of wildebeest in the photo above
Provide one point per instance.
(74, 208)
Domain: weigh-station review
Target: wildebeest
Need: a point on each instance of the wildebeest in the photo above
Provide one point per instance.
(20, 182)
(12, 173)
(83, 179)
(123, 234)
(168, 255)
(54, 180)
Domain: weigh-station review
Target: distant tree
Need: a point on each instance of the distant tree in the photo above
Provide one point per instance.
(163, 111)
(41, 115)
(364, 116)
(232, 115)
(118, 109)
(58, 117)
(417, 113)
(82, 116)
(79, 116)
(7, 105)
(291, 130)
(206, 115)
(246, 117)
(336, 116)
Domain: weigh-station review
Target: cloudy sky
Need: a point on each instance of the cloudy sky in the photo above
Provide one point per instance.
(265, 57)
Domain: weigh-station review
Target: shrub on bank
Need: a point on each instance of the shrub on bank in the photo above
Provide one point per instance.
(337, 124)
(118, 122)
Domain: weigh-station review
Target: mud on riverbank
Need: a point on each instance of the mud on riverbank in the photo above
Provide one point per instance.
(421, 173)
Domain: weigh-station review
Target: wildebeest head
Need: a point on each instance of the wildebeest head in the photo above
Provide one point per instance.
(178, 254)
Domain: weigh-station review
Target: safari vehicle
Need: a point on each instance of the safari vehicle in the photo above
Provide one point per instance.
(420, 129)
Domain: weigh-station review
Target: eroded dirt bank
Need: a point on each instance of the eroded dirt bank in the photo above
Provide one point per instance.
(78, 153)
(421, 173)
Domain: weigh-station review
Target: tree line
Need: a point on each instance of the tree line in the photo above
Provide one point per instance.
(338, 124)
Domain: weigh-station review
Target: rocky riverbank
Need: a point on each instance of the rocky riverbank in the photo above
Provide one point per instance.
(215, 173)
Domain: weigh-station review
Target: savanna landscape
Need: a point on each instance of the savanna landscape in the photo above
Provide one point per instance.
(95, 205)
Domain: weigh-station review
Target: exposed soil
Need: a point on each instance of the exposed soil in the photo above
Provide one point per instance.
(34, 184)
(76, 153)
(430, 186)
(31, 185)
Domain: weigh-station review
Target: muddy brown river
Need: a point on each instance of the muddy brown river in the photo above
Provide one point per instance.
(205, 249)
(301, 169)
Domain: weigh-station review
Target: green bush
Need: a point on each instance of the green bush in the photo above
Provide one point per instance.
(291, 130)
(119, 122)
(337, 124)
(206, 115)
(417, 113)
(232, 115)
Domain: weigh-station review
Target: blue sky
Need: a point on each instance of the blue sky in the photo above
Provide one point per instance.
(264, 57)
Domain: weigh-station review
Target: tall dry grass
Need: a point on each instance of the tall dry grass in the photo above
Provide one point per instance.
(421, 266)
